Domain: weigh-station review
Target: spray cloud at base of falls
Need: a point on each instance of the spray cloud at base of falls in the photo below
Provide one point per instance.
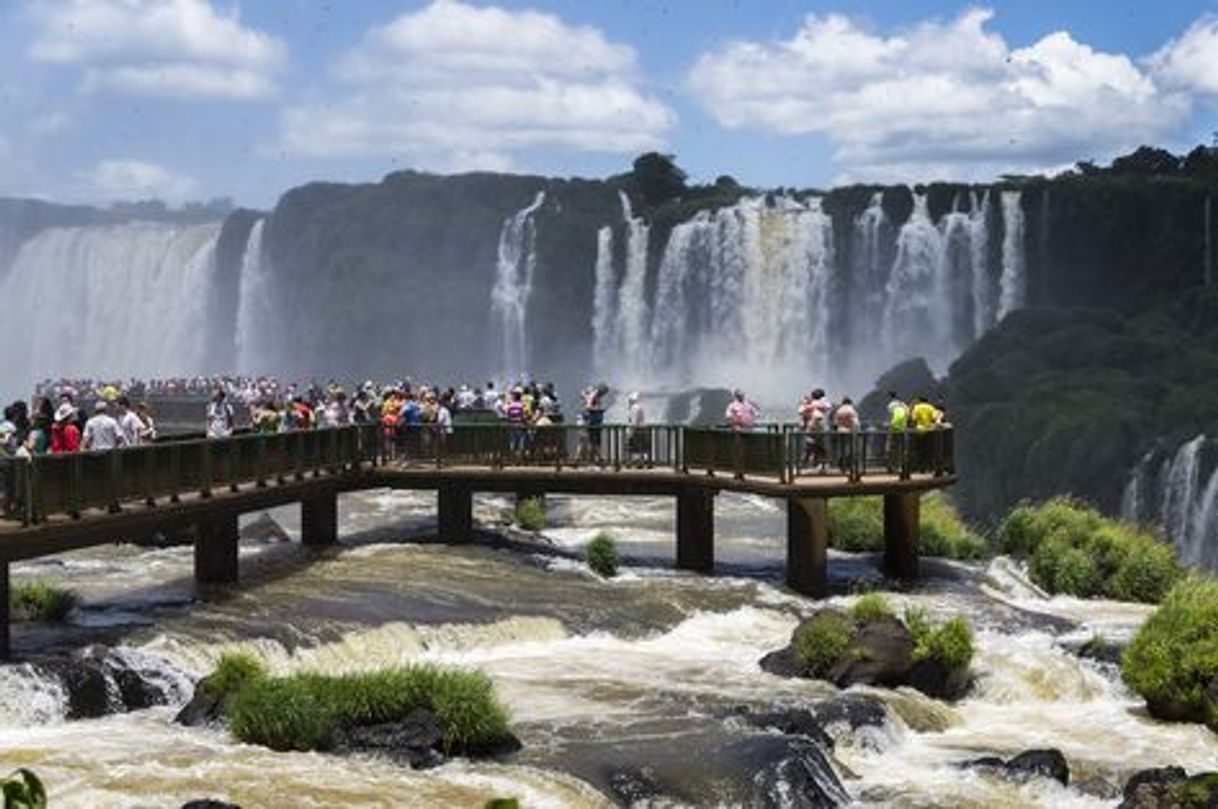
(120, 299)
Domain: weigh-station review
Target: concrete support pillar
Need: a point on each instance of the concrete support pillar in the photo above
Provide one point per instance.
(5, 640)
(456, 513)
(807, 545)
(696, 530)
(901, 518)
(319, 519)
(216, 550)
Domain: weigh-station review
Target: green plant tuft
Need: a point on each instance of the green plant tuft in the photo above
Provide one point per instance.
(502, 803)
(232, 671)
(871, 607)
(951, 643)
(40, 601)
(1174, 655)
(856, 524)
(821, 640)
(531, 514)
(22, 789)
(601, 555)
(301, 712)
(1071, 548)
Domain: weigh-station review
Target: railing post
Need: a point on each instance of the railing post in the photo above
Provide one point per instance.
(205, 470)
(232, 446)
(78, 485)
(175, 472)
(260, 473)
(150, 453)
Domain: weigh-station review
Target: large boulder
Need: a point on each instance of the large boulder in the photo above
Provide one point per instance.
(882, 655)
(1170, 788)
(99, 681)
(801, 778)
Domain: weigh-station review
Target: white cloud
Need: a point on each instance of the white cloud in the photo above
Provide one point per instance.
(172, 48)
(138, 180)
(51, 124)
(1190, 62)
(939, 99)
(458, 86)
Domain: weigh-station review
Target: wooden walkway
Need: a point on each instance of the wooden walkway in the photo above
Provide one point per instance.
(67, 502)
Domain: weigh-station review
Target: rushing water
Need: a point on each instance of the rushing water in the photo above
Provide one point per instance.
(645, 669)
(516, 263)
(1179, 493)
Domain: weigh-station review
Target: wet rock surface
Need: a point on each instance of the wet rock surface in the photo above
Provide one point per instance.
(1046, 763)
(98, 681)
(1170, 788)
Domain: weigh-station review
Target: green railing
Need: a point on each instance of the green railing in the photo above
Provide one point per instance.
(71, 484)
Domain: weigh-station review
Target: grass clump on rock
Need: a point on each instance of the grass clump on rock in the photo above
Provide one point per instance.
(856, 524)
(303, 711)
(233, 670)
(950, 643)
(40, 601)
(531, 514)
(1172, 661)
(601, 556)
(871, 607)
(821, 641)
(1072, 548)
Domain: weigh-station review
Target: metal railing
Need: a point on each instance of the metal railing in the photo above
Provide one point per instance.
(70, 484)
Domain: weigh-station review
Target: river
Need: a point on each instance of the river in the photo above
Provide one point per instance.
(645, 670)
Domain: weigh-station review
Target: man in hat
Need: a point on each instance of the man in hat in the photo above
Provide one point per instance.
(102, 431)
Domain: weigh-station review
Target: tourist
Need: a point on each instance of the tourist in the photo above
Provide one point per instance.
(102, 431)
(220, 416)
(637, 443)
(516, 416)
(846, 425)
(147, 428)
(65, 435)
(594, 418)
(813, 412)
(128, 422)
(741, 414)
(898, 421)
(9, 440)
(336, 413)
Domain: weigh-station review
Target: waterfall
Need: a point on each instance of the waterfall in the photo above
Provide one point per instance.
(1012, 283)
(116, 300)
(1208, 256)
(914, 311)
(1180, 492)
(1133, 499)
(602, 305)
(632, 308)
(979, 243)
(256, 310)
(1200, 549)
(514, 268)
(670, 326)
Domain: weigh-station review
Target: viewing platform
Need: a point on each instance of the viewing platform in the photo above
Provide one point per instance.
(58, 503)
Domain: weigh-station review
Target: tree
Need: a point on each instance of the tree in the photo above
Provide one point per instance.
(658, 178)
(1146, 160)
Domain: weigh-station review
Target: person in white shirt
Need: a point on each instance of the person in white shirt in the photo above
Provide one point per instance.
(102, 431)
(219, 416)
(636, 437)
(129, 423)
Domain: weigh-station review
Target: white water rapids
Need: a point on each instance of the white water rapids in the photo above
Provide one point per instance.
(650, 664)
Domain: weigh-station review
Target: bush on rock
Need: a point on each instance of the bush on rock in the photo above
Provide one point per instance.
(601, 556)
(1172, 661)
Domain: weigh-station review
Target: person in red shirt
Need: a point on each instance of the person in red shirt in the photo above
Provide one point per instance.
(65, 435)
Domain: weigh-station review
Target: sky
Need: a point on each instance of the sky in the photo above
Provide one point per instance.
(183, 100)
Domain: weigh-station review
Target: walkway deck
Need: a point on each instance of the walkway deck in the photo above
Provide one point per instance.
(62, 503)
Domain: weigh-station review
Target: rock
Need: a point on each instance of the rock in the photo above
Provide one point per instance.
(934, 679)
(264, 529)
(781, 663)
(1159, 788)
(803, 778)
(882, 655)
(852, 710)
(631, 785)
(99, 681)
(1100, 650)
(417, 739)
(209, 803)
(203, 709)
(1047, 763)
(790, 721)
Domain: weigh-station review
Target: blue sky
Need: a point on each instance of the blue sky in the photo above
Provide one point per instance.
(189, 99)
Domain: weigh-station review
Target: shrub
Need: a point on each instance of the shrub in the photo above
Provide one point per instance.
(531, 514)
(40, 601)
(23, 790)
(1072, 549)
(601, 555)
(1174, 655)
(300, 712)
(502, 803)
(821, 640)
(856, 524)
(233, 670)
(871, 607)
(951, 643)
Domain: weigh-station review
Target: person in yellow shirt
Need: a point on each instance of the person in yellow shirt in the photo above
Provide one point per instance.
(924, 415)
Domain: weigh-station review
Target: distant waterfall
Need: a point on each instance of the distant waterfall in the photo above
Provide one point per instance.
(603, 301)
(913, 288)
(1013, 281)
(630, 328)
(109, 300)
(979, 234)
(256, 309)
(1174, 491)
(514, 269)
